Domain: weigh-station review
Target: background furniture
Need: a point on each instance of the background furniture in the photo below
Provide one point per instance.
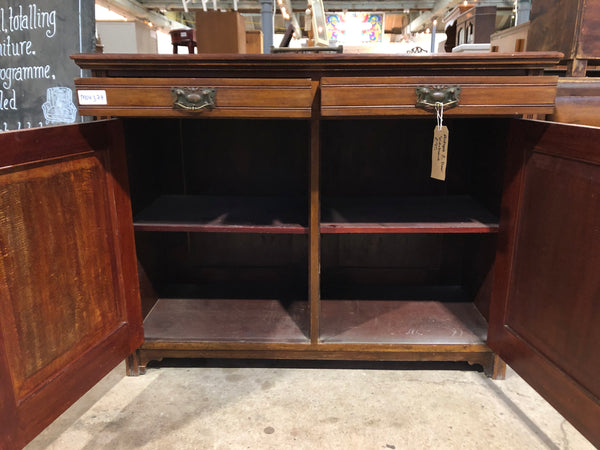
(475, 25)
(220, 32)
(183, 37)
(571, 27)
(512, 39)
(254, 41)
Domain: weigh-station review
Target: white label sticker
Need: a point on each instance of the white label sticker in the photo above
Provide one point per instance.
(92, 97)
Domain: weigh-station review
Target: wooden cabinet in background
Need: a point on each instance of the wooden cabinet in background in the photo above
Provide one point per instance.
(476, 25)
(220, 32)
(282, 207)
(254, 41)
(571, 27)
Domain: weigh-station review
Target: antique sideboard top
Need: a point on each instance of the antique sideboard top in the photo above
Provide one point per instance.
(130, 65)
(297, 85)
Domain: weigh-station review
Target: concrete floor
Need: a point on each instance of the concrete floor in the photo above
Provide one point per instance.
(217, 405)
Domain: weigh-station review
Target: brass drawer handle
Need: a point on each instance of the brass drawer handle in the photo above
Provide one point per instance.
(193, 98)
(430, 96)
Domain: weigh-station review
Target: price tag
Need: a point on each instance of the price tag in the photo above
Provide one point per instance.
(439, 150)
(439, 153)
(92, 97)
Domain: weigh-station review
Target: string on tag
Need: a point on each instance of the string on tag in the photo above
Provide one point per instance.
(439, 111)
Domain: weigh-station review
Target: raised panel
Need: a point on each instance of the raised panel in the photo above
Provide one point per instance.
(545, 312)
(558, 241)
(69, 300)
(77, 293)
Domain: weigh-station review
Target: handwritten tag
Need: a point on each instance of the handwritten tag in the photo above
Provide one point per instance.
(439, 153)
(92, 97)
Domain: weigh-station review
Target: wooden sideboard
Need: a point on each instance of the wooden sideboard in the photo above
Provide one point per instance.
(281, 206)
(308, 231)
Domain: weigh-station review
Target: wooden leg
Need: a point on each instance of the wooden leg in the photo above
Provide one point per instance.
(137, 361)
(577, 68)
(134, 365)
(495, 368)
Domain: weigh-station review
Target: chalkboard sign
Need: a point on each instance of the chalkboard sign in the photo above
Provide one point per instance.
(36, 73)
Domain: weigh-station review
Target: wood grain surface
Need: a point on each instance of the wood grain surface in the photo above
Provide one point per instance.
(70, 304)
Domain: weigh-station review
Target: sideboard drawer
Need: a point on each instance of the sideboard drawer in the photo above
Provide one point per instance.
(154, 97)
(396, 96)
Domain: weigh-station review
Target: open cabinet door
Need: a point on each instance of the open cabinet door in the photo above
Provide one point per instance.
(69, 299)
(545, 314)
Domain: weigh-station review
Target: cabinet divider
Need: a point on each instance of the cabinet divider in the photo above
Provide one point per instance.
(314, 252)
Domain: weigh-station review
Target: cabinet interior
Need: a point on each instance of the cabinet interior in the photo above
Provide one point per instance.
(221, 214)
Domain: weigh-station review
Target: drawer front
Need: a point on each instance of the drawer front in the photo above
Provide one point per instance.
(153, 97)
(396, 96)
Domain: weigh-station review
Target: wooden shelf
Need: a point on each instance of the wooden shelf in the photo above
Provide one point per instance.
(451, 214)
(405, 322)
(224, 214)
(227, 320)
(448, 214)
(401, 322)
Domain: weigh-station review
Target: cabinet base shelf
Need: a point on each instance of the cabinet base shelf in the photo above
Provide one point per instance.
(227, 320)
(350, 330)
(393, 322)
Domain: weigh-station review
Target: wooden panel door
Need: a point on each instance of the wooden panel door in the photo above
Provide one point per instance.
(545, 316)
(69, 300)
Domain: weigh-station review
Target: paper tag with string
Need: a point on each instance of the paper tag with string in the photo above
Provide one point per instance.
(439, 151)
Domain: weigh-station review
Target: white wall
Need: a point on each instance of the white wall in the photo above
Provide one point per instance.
(126, 37)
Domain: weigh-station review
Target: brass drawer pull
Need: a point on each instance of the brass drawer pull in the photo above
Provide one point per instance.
(193, 98)
(429, 96)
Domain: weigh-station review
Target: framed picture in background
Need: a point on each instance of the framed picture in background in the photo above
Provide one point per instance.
(319, 25)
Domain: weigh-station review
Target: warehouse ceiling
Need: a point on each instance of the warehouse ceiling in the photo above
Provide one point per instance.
(420, 12)
(253, 6)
